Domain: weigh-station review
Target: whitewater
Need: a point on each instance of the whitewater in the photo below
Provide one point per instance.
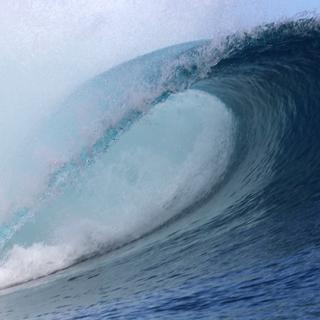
(154, 174)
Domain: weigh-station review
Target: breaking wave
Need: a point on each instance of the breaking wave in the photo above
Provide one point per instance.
(230, 127)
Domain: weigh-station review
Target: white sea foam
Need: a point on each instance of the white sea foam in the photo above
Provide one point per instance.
(164, 163)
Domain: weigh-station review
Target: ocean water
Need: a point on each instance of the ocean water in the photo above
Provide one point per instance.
(183, 184)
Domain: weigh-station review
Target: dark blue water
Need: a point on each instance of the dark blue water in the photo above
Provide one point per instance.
(247, 246)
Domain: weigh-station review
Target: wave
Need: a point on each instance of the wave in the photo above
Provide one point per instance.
(229, 127)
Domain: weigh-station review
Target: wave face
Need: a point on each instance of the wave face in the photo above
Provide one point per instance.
(204, 159)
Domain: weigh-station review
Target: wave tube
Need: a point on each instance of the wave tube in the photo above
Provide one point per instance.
(166, 161)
